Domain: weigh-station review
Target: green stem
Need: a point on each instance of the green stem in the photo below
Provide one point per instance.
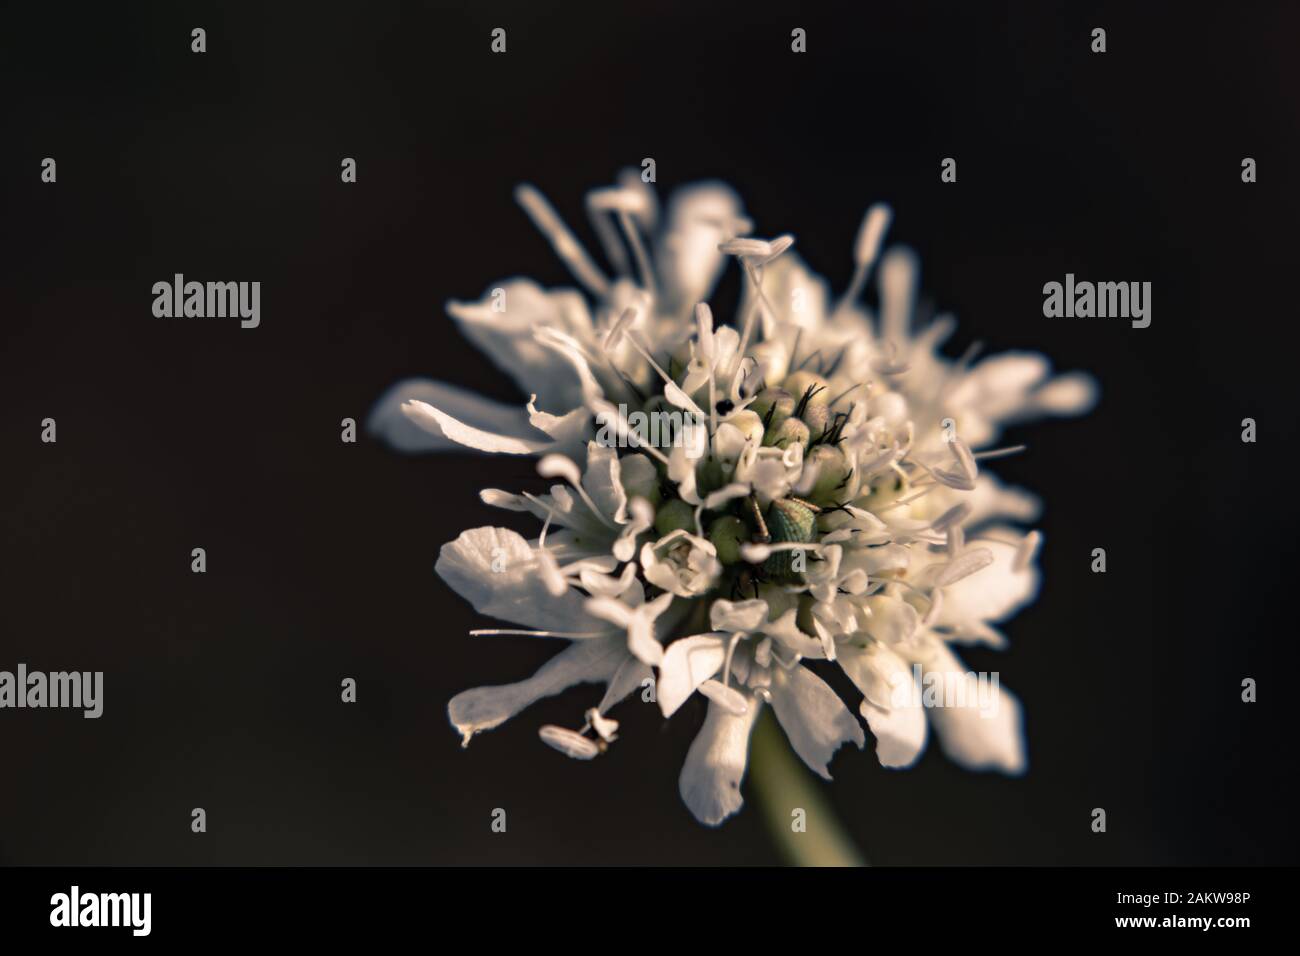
(783, 785)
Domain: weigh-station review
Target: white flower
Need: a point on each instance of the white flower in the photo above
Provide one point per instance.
(682, 563)
(838, 508)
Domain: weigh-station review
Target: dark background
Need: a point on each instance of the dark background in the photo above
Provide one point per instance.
(222, 690)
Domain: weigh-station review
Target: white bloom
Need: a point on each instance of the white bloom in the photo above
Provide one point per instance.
(682, 563)
(839, 509)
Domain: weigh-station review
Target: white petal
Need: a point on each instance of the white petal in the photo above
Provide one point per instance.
(686, 664)
(642, 642)
(631, 674)
(900, 733)
(715, 765)
(440, 424)
(483, 708)
(480, 422)
(603, 481)
(681, 471)
(639, 475)
(640, 521)
(507, 336)
(699, 218)
(559, 466)
(737, 615)
(891, 703)
(985, 732)
(517, 592)
(1070, 394)
(993, 594)
(569, 432)
(893, 621)
(814, 719)
(728, 698)
(785, 629)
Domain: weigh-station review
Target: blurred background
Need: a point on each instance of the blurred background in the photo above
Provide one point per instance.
(222, 689)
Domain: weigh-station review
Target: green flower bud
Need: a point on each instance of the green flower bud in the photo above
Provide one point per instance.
(792, 431)
(778, 599)
(799, 385)
(749, 423)
(640, 478)
(709, 476)
(833, 470)
(650, 430)
(673, 515)
(728, 533)
(777, 401)
(816, 416)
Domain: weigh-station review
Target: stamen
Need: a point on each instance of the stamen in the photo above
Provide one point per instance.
(625, 431)
(743, 248)
(909, 499)
(569, 742)
(617, 329)
(638, 252)
(779, 245)
(758, 553)
(829, 371)
(962, 453)
(731, 649)
(794, 349)
(1000, 452)
(546, 526)
(607, 233)
(866, 250)
(560, 466)
(565, 244)
(851, 388)
(704, 332)
(756, 280)
(605, 727)
(964, 565)
(954, 515)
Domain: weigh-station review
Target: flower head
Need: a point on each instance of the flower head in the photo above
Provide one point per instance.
(816, 493)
